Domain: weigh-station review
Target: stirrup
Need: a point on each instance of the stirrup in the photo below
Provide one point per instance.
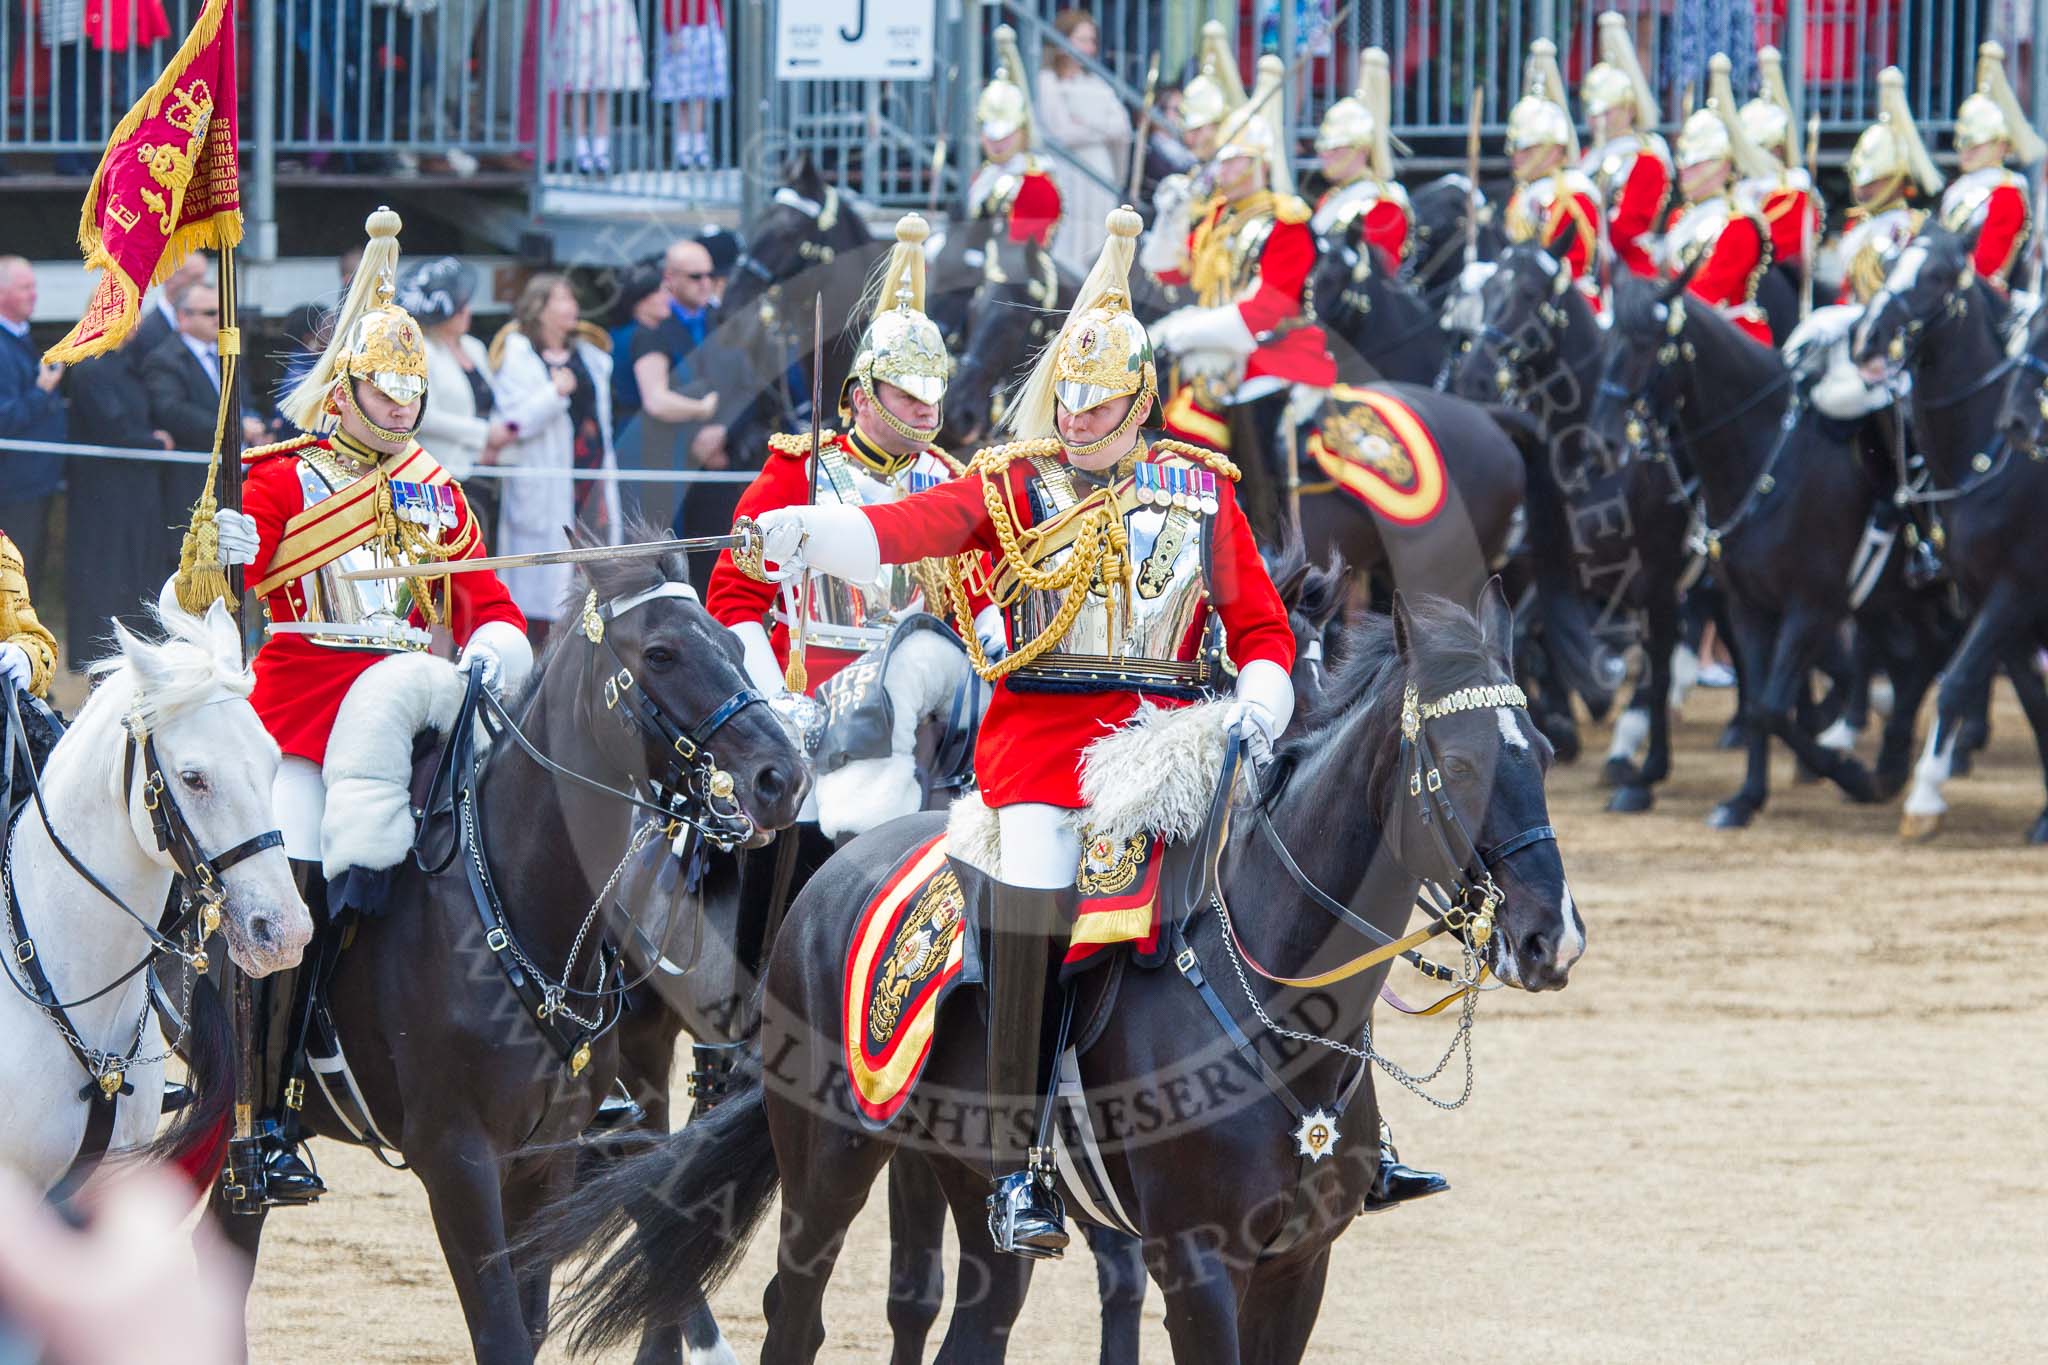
(1026, 1217)
(264, 1171)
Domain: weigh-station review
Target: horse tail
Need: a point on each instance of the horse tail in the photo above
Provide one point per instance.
(196, 1141)
(681, 1213)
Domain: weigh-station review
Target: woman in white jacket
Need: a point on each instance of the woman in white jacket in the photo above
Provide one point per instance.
(554, 381)
(461, 427)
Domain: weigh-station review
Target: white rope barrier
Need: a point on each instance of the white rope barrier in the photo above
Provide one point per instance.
(10, 446)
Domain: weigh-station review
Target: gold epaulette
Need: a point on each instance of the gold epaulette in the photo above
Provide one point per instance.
(947, 459)
(996, 459)
(1291, 208)
(284, 447)
(1206, 458)
(798, 444)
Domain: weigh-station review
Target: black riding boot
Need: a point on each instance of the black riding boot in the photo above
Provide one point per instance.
(280, 1017)
(1394, 1181)
(1024, 1211)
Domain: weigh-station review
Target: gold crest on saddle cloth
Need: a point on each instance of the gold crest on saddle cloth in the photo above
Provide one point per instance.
(919, 952)
(1110, 867)
(1360, 435)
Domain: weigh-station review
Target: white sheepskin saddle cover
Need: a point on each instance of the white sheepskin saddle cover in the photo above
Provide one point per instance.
(368, 772)
(1156, 774)
(1819, 350)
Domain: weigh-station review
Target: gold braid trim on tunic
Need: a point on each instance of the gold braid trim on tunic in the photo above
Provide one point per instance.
(18, 623)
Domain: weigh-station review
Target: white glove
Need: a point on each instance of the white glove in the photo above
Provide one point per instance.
(1221, 328)
(480, 658)
(238, 539)
(1261, 707)
(782, 543)
(992, 631)
(14, 668)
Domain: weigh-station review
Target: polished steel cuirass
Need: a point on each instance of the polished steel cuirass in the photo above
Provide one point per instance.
(367, 613)
(1166, 589)
(859, 616)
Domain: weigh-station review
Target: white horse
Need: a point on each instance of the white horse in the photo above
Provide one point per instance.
(189, 694)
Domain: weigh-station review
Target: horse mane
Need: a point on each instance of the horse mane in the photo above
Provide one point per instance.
(188, 669)
(1636, 315)
(609, 578)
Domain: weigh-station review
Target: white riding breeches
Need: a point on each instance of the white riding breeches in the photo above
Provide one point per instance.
(1040, 849)
(300, 798)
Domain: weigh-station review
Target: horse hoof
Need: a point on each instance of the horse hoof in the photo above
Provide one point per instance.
(1619, 772)
(1563, 734)
(1918, 829)
(1854, 780)
(2038, 835)
(1803, 776)
(1730, 815)
(1960, 762)
(1733, 736)
(1631, 799)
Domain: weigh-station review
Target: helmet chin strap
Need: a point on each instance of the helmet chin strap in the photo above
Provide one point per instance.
(897, 424)
(1141, 407)
(396, 437)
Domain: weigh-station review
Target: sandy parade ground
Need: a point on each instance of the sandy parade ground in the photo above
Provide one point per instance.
(1790, 1109)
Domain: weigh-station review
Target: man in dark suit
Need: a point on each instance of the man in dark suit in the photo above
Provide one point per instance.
(31, 409)
(160, 313)
(182, 378)
(120, 513)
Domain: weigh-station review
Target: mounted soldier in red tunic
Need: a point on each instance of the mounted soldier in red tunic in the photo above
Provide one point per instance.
(345, 676)
(1250, 332)
(1889, 170)
(1116, 555)
(1628, 163)
(1355, 145)
(1554, 204)
(1716, 236)
(1012, 185)
(1988, 197)
(1782, 195)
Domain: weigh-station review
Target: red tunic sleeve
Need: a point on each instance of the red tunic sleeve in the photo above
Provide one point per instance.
(731, 597)
(1035, 212)
(1635, 210)
(476, 598)
(2005, 226)
(1724, 279)
(1386, 227)
(270, 497)
(1254, 622)
(1789, 211)
(1284, 264)
(947, 519)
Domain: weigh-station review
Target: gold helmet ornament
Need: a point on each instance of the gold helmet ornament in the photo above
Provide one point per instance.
(1363, 119)
(1891, 149)
(1539, 118)
(1715, 129)
(1216, 90)
(1993, 114)
(1102, 352)
(1005, 103)
(1617, 81)
(1768, 118)
(1259, 130)
(373, 339)
(901, 345)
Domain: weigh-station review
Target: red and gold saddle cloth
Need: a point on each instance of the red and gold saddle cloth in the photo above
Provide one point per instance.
(1374, 447)
(908, 952)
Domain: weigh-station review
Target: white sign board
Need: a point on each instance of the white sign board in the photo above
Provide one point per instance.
(827, 40)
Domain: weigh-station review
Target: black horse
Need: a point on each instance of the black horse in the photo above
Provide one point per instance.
(1238, 1225)
(1380, 326)
(1987, 488)
(1015, 308)
(810, 249)
(1440, 211)
(1784, 500)
(1605, 523)
(444, 1050)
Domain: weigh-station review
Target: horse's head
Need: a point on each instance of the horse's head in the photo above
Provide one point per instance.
(806, 226)
(1351, 281)
(2023, 413)
(1648, 337)
(1439, 211)
(681, 709)
(1929, 282)
(1014, 312)
(202, 768)
(1457, 777)
(1524, 307)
